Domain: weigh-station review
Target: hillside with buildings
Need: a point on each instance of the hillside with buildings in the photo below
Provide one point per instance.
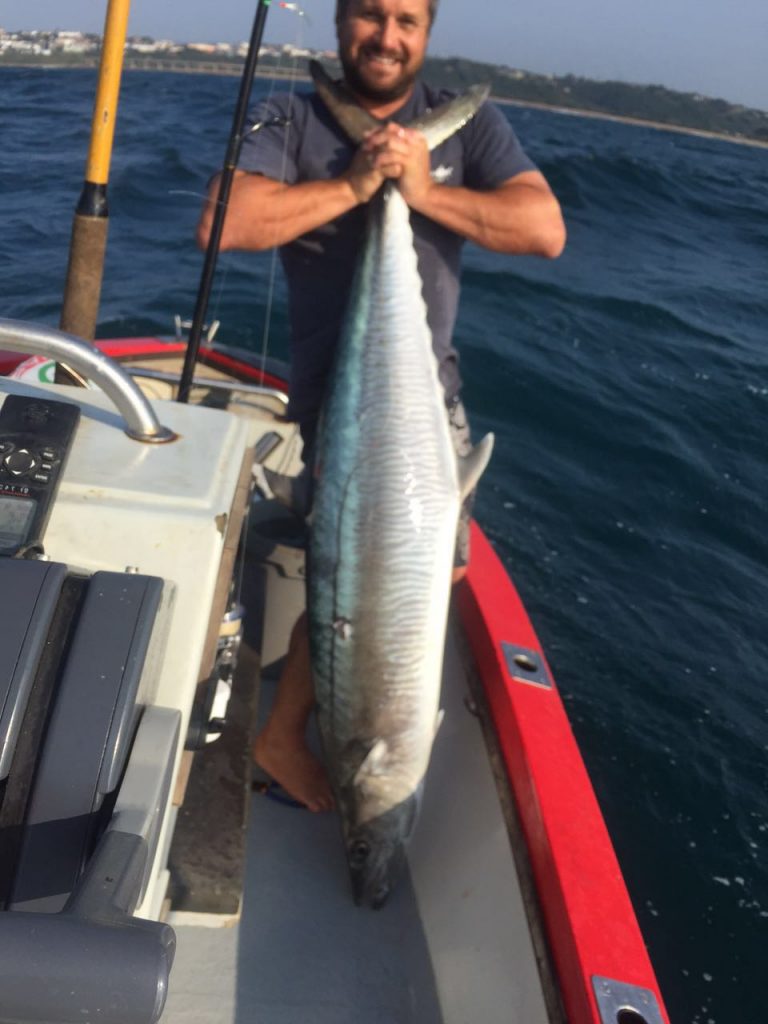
(653, 104)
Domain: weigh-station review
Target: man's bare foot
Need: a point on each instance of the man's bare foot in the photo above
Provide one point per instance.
(293, 765)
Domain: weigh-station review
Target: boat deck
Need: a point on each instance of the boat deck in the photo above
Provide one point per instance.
(452, 944)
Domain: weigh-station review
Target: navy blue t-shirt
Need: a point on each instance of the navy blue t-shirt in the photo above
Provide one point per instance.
(320, 265)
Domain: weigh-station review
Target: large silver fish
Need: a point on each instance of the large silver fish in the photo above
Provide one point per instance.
(383, 532)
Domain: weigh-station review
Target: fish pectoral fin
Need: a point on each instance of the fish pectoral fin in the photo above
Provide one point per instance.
(472, 466)
(291, 491)
(374, 762)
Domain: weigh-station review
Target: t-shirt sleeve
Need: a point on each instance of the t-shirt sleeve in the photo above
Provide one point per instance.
(493, 153)
(271, 149)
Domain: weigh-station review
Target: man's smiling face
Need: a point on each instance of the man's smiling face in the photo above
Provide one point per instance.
(382, 45)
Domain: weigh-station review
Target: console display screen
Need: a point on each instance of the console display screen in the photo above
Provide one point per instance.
(15, 518)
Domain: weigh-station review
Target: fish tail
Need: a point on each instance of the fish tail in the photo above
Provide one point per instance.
(436, 125)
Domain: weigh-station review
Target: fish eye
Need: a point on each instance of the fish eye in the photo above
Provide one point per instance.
(358, 852)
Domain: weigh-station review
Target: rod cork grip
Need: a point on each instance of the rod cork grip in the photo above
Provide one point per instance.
(84, 276)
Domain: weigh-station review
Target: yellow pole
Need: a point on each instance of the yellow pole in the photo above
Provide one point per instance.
(89, 230)
(105, 107)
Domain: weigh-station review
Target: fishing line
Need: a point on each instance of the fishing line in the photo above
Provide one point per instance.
(187, 192)
(272, 274)
(208, 270)
(222, 278)
(291, 74)
(255, 127)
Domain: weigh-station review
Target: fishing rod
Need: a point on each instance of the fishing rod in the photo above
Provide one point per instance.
(85, 269)
(225, 187)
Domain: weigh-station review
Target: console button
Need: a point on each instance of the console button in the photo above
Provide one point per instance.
(20, 462)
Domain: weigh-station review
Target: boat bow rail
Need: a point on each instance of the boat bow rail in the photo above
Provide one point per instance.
(36, 339)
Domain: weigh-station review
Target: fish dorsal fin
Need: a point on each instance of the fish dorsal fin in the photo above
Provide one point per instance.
(472, 466)
(346, 111)
(436, 125)
(374, 762)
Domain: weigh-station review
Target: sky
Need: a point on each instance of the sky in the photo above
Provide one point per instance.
(712, 47)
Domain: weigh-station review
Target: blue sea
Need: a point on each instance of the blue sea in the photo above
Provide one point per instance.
(627, 384)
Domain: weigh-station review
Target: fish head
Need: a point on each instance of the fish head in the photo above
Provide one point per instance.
(376, 852)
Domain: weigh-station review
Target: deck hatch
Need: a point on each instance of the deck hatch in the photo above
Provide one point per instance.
(526, 666)
(620, 1003)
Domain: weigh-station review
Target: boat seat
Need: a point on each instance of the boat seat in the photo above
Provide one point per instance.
(94, 960)
(91, 726)
(29, 594)
(87, 764)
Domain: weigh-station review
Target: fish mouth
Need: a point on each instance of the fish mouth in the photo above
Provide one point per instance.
(373, 870)
(370, 884)
(367, 893)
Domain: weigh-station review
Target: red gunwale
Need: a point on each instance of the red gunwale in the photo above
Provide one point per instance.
(9, 361)
(227, 362)
(590, 922)
(589, 918)
(126, 348)
(121, 348)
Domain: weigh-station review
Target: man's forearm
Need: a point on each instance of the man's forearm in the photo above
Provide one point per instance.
(521, 216)
(263, 213)
(516, 218)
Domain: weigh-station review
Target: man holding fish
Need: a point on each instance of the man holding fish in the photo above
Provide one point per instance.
(304, 186)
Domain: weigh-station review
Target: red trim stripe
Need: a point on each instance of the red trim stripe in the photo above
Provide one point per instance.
(226, 362)
(123, 348)
(9, 361)
(589, 918)
(126, 348)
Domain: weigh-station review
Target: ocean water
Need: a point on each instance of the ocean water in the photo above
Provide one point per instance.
(627, 384)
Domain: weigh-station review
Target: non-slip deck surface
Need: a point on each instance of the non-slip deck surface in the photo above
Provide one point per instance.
(452, 945)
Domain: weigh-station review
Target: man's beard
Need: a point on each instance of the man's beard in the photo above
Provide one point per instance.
(359, 85)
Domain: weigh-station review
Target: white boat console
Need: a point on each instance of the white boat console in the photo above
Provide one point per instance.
(113, 585)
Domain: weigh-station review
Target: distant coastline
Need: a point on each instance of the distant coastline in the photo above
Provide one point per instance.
(638, 122)
(643, 106)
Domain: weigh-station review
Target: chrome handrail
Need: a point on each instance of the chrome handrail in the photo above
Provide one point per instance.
(38, 339)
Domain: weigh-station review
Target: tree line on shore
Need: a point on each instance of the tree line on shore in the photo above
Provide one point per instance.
(653, 103)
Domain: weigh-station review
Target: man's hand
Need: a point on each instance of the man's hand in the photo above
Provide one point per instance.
(400, 154)
(362, 176)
